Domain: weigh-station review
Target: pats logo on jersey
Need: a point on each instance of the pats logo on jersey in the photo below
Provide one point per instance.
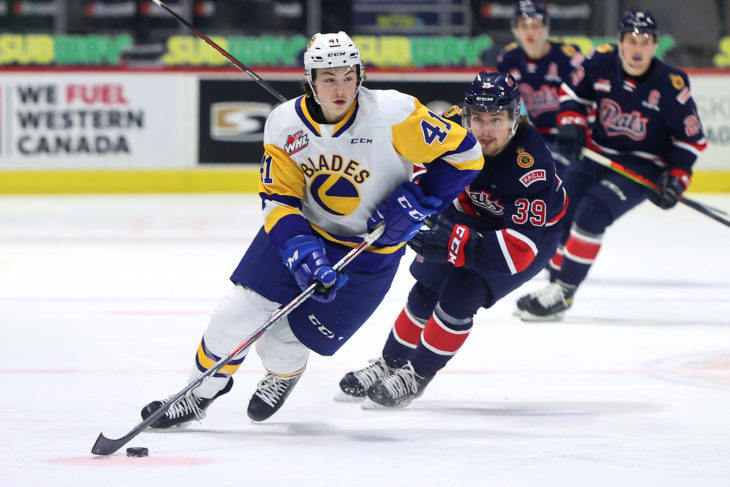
(482, 199)
(295, 143)
(540, 101)
(616, 122)
(335, 193)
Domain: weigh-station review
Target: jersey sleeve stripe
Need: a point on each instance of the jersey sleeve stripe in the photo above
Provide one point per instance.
(286, 178)
(566, 93)
(274, 213)
(438, 137)
(518, 250)
(693, 147)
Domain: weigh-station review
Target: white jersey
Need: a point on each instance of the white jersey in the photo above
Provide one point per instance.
(331, 176)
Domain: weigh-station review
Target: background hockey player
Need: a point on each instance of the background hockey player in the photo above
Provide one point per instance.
(646, 120)
(539, 66)
(338, 161)
(501, 231)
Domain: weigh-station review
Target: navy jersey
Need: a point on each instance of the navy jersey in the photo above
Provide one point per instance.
(540, 80)
(515, 196)
(649, 122)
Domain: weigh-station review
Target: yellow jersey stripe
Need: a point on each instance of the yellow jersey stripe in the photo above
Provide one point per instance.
(439, 136)
(278, 212)
(286, 178)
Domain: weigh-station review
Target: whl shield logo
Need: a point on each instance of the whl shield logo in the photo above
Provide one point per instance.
(295, 143)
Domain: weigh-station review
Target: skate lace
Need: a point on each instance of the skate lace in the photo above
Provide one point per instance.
(401, 382)
(187, 405)
(271, 388)
(368, 375)
(550, 295)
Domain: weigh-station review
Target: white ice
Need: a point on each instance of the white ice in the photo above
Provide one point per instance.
(103, 301)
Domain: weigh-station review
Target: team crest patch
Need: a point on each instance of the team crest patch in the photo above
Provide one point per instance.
(454, 110)
(295, 143)
(677, 81)
(524, 159)
(532, 176)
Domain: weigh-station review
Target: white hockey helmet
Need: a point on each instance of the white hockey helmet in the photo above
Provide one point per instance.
(331, 51)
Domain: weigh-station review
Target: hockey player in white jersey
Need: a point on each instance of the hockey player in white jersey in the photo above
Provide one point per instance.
(337, 162)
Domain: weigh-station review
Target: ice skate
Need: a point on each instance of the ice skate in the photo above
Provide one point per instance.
(547, 304)
(398, 389)
(270, 395)
(182, 413)
(354, 385)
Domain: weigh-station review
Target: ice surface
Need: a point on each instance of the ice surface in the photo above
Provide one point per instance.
(103, 301)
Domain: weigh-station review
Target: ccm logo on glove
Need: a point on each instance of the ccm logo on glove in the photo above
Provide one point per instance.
(459, 236)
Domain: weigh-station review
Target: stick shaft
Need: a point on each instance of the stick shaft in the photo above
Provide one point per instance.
(225, 53)
(638, 178)
(107, 446)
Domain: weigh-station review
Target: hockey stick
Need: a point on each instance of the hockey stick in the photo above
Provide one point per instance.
(218, 48)
(107, 446)
(638, 178)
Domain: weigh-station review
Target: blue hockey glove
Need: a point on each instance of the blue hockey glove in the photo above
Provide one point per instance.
(671, 185)
(305, 257)
(446, 241)
(570, 140)
(403, 213)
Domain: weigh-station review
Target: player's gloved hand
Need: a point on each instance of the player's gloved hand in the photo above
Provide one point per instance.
(403, 213)
(671, 185)
(570, 139)
(305, 257)
(446, 241)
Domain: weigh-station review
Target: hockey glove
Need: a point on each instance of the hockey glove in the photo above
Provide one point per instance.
(446, 241)
(403, 213)
(305, 257)
(671, 185)
(570, 139)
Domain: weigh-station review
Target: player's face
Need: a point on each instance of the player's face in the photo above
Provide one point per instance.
(532, 36)
(493, 130)
(336, 91)
(637, 51)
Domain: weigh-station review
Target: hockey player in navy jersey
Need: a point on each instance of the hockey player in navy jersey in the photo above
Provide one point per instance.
(501, 231)
(539, 66)
(337, 163)
(645, 120)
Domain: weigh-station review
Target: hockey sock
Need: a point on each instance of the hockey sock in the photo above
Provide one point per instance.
(204, 360)
(442, 337)
(406, 332)
(581, 250)
(556, 263)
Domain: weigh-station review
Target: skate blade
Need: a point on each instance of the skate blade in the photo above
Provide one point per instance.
(530, 318)
(370, 404)
(342, 397)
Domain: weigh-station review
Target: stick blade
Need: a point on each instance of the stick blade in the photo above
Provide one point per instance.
(106, 446)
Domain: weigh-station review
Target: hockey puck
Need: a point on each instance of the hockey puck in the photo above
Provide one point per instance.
(137, 452)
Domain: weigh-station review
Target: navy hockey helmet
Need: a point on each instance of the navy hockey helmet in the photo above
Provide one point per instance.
(530, 9)
(492, 92)
(637, 22)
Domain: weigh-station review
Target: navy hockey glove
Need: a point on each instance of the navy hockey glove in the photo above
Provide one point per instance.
(570, 139)
(403, 213)
(671, 185)
(305, 257)
(446, 241)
